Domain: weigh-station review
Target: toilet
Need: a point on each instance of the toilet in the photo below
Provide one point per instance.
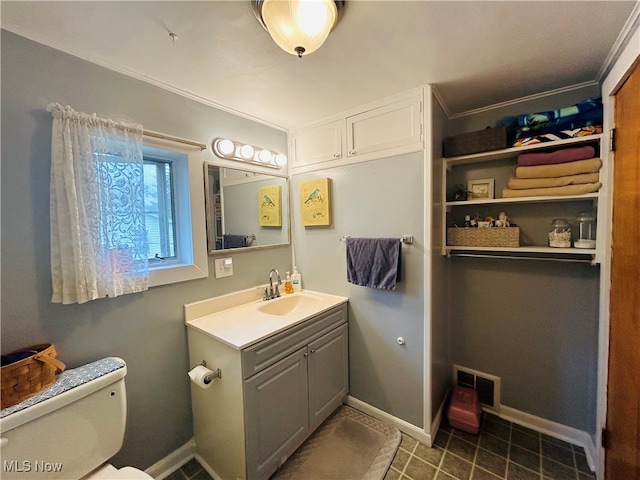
(70, 429)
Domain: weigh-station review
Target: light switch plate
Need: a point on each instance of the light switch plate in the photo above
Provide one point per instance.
(224, 267)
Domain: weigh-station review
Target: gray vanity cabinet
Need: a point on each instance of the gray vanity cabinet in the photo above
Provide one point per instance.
(301, 377)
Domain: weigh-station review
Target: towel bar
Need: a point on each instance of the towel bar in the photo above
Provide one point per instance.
(407, 239)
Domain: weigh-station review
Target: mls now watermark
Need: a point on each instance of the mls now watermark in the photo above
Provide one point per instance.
(27, 466)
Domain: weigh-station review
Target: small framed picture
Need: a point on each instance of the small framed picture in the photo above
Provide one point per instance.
(479, 189)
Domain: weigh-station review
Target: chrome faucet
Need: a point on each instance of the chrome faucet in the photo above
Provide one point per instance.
(271, 294)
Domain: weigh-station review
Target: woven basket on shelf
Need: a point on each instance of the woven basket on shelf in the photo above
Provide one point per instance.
(35, 368)
(483, 237)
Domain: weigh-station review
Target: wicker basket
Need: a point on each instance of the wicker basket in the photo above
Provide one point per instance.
(475, 142)
(34, 369)
(484, 237)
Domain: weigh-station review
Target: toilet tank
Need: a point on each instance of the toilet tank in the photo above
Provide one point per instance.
(68, 429)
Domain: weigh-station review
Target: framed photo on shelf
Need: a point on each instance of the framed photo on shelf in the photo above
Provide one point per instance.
(480, 189)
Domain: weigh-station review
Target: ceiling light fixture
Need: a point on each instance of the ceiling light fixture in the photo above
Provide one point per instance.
(243, 152)
(299, 27)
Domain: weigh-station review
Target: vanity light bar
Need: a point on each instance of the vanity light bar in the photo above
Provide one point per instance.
(243, 152)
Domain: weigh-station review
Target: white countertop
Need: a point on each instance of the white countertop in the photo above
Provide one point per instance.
(243, 325)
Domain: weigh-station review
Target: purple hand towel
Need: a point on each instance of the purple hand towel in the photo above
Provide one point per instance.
(374, 262)
(559, 156)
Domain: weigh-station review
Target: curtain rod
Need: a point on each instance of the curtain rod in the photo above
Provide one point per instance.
(518, 257)
(162, 136)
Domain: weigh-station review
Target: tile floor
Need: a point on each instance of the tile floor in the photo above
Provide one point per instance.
(191, 470)
(502, 450)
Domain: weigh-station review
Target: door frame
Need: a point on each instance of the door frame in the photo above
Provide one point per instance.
(628, 46)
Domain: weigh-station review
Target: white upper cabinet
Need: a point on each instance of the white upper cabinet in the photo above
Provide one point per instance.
(319, 143)
(392, 126)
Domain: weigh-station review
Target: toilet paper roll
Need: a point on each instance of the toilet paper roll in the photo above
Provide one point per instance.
(201, 376)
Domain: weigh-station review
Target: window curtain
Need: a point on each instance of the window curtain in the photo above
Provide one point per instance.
(98, 235)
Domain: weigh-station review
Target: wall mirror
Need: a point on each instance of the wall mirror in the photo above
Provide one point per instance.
(245, 209)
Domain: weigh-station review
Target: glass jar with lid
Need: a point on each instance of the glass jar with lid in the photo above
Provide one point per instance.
(586, 230)
(560, 233)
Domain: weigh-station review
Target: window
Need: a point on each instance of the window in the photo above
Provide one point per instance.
(159, 209)
(174, 212)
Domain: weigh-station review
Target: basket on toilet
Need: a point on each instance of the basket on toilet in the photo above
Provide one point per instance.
(27, 371)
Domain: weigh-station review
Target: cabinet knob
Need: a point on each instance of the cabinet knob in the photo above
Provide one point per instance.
(305, 354)
(352, 152)
(336, 155)
(312, 351)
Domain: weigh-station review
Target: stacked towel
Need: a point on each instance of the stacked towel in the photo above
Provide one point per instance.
(568, 171)
(374, 262)
(583, 118)
(563, 155)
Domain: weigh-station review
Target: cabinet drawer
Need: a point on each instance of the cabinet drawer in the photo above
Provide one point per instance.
(269, 351)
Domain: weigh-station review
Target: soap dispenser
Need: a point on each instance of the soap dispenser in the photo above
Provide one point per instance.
(296, 279)
(288, 285)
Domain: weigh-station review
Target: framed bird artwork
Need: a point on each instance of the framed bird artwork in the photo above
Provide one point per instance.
(270, 206)
(315, 202)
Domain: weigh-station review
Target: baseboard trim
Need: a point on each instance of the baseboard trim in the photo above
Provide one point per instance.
(172, 462)
(402, 425)
(437, 420)
(207, 467)
(553, 429)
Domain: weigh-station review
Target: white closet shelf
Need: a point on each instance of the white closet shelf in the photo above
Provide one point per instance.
(515, 151)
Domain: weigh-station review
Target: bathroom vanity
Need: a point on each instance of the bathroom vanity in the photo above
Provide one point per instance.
(284, 370)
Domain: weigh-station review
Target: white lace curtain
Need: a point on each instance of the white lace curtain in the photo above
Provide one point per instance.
(98, 236)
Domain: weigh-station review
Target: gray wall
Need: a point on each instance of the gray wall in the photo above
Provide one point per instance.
(147, 329)
(381, 198)
(532, 323)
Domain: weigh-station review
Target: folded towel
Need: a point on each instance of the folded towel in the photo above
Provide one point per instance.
(521, 183)
(591, 165)
(374, 262)
(552, 191)
(234, 241)
(559, 156)
(545, 137)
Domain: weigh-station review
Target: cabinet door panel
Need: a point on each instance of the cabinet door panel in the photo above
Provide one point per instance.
(328, 374)
(318, 144)
(270, 350)
(390, 126)
(276, 413)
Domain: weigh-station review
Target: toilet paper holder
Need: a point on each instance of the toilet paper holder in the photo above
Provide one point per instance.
(215, 373)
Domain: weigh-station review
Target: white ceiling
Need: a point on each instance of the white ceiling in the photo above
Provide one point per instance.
(476, 53)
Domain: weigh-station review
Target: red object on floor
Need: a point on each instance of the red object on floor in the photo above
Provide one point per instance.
(464, 410)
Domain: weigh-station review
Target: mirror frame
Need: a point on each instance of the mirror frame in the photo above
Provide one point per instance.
(209, 210)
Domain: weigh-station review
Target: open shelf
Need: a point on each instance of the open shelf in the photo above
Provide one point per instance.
(503, 161)
(515, 151)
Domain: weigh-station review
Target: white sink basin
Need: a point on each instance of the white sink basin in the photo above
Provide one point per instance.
(242, 318)
(289, 304)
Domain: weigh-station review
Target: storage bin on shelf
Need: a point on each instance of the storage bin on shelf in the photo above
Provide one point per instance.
(476, 142)
(483, 237)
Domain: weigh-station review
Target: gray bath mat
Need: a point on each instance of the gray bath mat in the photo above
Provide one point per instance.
(348, 446)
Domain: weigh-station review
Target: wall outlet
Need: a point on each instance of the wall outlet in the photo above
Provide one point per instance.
(224, 267)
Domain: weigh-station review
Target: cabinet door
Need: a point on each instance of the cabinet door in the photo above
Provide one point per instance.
(328, 374)
(394, 125)
(318, 144)
(276, 414)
